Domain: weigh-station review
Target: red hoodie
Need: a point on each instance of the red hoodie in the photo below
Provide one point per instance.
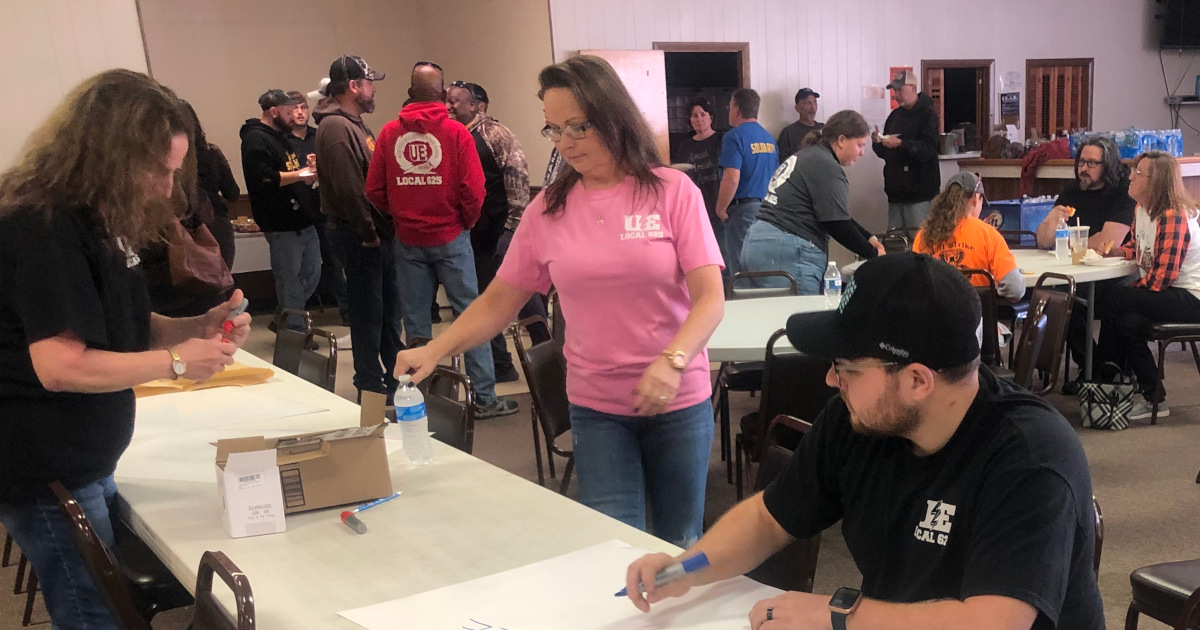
(426, 173)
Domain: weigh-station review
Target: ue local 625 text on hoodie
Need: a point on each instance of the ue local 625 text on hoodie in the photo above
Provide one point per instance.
(426, 173)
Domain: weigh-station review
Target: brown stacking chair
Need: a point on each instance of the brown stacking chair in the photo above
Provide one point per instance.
(793, 385)
(558, 321)
(794, 567)
(1099, 534)
(545, 370)
(209, 614)
(120, 584)
(989, 299)
(894, 243)
(1163, 335)
(1057, 305)
(745, 376)
(450, 407)
(1168, 592)
(317, 367)
(289, 344)
(1029, 349)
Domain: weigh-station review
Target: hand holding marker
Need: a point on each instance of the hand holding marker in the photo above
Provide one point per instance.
(227, 325)
(672, 573)
(349, 518)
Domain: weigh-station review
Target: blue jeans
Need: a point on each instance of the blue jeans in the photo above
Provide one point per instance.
(742, 214)
(333, 271)
(373, 291)
(453, 266)
(622, 459)
(718, 227)
(769, 248)
(42, 533)
(908, 215)
(296, 265)
(501, 358)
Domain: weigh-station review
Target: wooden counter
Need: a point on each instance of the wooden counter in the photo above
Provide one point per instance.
(1002, 178)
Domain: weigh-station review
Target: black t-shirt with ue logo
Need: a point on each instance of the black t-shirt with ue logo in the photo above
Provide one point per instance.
(1005, 508)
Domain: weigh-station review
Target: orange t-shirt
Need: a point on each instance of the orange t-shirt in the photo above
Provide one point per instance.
(974, 245)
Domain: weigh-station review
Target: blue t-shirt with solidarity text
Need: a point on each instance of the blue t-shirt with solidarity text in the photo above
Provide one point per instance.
(751, 149)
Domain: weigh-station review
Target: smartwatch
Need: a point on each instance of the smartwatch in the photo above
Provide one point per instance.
(843, 602)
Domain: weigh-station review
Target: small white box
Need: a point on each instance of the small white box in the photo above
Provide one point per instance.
(251, 496)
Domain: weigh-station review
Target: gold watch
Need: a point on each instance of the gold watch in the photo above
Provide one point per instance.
(178, 367)
(677, 359)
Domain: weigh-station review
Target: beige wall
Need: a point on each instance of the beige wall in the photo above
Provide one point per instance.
(49, 47)
(501, 45)
(222, 54)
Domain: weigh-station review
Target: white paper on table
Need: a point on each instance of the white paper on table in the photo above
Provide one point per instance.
(211, 408)
(175, 457)
(571, 591)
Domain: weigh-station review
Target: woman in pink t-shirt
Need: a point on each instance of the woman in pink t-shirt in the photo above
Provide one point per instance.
(628, 246)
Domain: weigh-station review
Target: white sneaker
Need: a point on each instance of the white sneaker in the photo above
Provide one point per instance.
(1142, 409)
(343, 342)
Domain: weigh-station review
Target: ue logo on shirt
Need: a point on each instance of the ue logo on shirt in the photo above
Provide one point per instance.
(642, 226)
(936, 526)
(418, 154)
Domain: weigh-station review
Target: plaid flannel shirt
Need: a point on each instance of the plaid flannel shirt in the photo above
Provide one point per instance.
(1161, 263)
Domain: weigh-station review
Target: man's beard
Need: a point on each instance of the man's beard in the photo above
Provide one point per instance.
(1090, 184)
(887, 419)
(279, 124)
(367, 105)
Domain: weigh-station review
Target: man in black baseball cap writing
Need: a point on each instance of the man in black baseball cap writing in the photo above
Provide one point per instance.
(964, 500)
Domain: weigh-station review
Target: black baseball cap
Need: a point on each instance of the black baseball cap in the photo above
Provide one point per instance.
(352, 68)
(277, 98)
(475, 89)
(805, 93)
(906, 308)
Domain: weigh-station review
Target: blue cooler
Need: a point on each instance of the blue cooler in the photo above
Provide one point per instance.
(1017, 214)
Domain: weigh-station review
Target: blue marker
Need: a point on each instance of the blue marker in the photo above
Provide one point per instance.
(674, 572)
(352, 521)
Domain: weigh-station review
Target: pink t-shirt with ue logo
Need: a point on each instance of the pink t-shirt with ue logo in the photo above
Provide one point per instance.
(618, 262)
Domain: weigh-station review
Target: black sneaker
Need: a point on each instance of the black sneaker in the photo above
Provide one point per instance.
(1071, 388)
(507, 375)
(499, 407)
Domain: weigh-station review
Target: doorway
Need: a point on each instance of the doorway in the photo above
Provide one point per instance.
(712, 70)
(961, 90)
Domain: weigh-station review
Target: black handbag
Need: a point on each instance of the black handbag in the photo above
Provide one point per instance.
(1105, 403)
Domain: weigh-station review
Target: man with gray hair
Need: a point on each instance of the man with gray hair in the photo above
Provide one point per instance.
(909, 149)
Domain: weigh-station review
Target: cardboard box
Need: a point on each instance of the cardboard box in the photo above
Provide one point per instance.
(323, 469)
(249, 486)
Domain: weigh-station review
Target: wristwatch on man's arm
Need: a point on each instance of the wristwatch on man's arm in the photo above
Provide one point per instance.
(842, 604)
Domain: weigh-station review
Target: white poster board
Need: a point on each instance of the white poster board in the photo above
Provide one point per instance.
(571, 591)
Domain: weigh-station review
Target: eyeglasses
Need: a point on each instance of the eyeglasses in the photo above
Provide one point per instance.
(1138, 172)
(856, 369)
(1090, 163)
(574, 132)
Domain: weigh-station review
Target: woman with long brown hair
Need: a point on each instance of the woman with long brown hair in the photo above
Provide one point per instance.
(954, 233)
(627, 243)
(93, 186)
(807, 202)
(1165, 242)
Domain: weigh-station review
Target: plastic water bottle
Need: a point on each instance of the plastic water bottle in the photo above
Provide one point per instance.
(833, 285)
(414, 423)
(1062, 241)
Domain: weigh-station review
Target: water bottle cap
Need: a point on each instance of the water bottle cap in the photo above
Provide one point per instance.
(403, 379)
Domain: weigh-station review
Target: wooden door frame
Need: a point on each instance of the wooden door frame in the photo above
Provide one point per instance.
(1090, 62)
(738, 47)
(985, 102)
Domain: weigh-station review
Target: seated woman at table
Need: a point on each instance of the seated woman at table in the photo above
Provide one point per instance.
(96, 183)
(627, 243)
(954, 233)
(808, 200)
(1166, 245)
